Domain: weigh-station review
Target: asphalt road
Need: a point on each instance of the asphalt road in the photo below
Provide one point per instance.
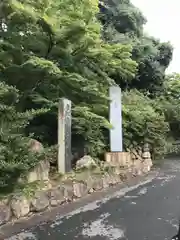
(144, 211)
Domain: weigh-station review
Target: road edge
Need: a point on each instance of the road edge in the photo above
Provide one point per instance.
(13, 228)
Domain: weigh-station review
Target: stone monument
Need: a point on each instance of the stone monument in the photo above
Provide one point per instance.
(115, 117)
(116, 156)
(64, 136)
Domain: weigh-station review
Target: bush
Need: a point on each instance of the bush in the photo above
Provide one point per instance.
(142, 122)
(15, 156)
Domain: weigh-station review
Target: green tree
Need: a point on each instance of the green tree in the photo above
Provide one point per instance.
(170, 103)
(144, 122)
(53, 49)
(123, 22)
(15, 156)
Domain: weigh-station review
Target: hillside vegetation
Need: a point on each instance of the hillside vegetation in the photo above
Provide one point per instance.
(76, 49)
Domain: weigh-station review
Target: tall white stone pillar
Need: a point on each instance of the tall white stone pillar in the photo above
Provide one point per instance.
(115, 115)
(64, 136)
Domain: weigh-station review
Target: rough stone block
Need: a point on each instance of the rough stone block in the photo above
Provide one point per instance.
(39, 172)
(85, 162)
(5, 213)
(89, 183)
(56, 196)
(97, 183)
(20, 206)
(116, 179)
(80, 189)
(39, 202)
(105, 180)
(68, 190)
(36, 146)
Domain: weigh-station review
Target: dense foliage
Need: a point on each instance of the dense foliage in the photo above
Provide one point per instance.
(170, 103)
(145, 110)
(76, 49)
(57, 51)
(122, 23)
(144, 122)
(15, 157)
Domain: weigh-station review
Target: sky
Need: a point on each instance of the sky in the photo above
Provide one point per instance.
(163, 23)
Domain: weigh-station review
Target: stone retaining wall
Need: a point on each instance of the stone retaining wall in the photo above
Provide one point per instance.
(74, 185)
(68, 190)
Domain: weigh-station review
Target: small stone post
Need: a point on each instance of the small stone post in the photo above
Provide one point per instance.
(64, 136)
(146, 155)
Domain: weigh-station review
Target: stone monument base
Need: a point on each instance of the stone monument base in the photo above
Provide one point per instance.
(127, 160)
(122, 159)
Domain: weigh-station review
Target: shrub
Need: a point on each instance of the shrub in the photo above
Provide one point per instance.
(142, 122)
(15, 156)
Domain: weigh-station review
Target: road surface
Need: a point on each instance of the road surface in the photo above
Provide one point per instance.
(145, 211)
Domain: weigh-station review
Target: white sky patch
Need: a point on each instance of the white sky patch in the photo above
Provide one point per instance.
(163, 23)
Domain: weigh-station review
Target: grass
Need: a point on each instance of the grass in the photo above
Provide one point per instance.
(28, 190)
